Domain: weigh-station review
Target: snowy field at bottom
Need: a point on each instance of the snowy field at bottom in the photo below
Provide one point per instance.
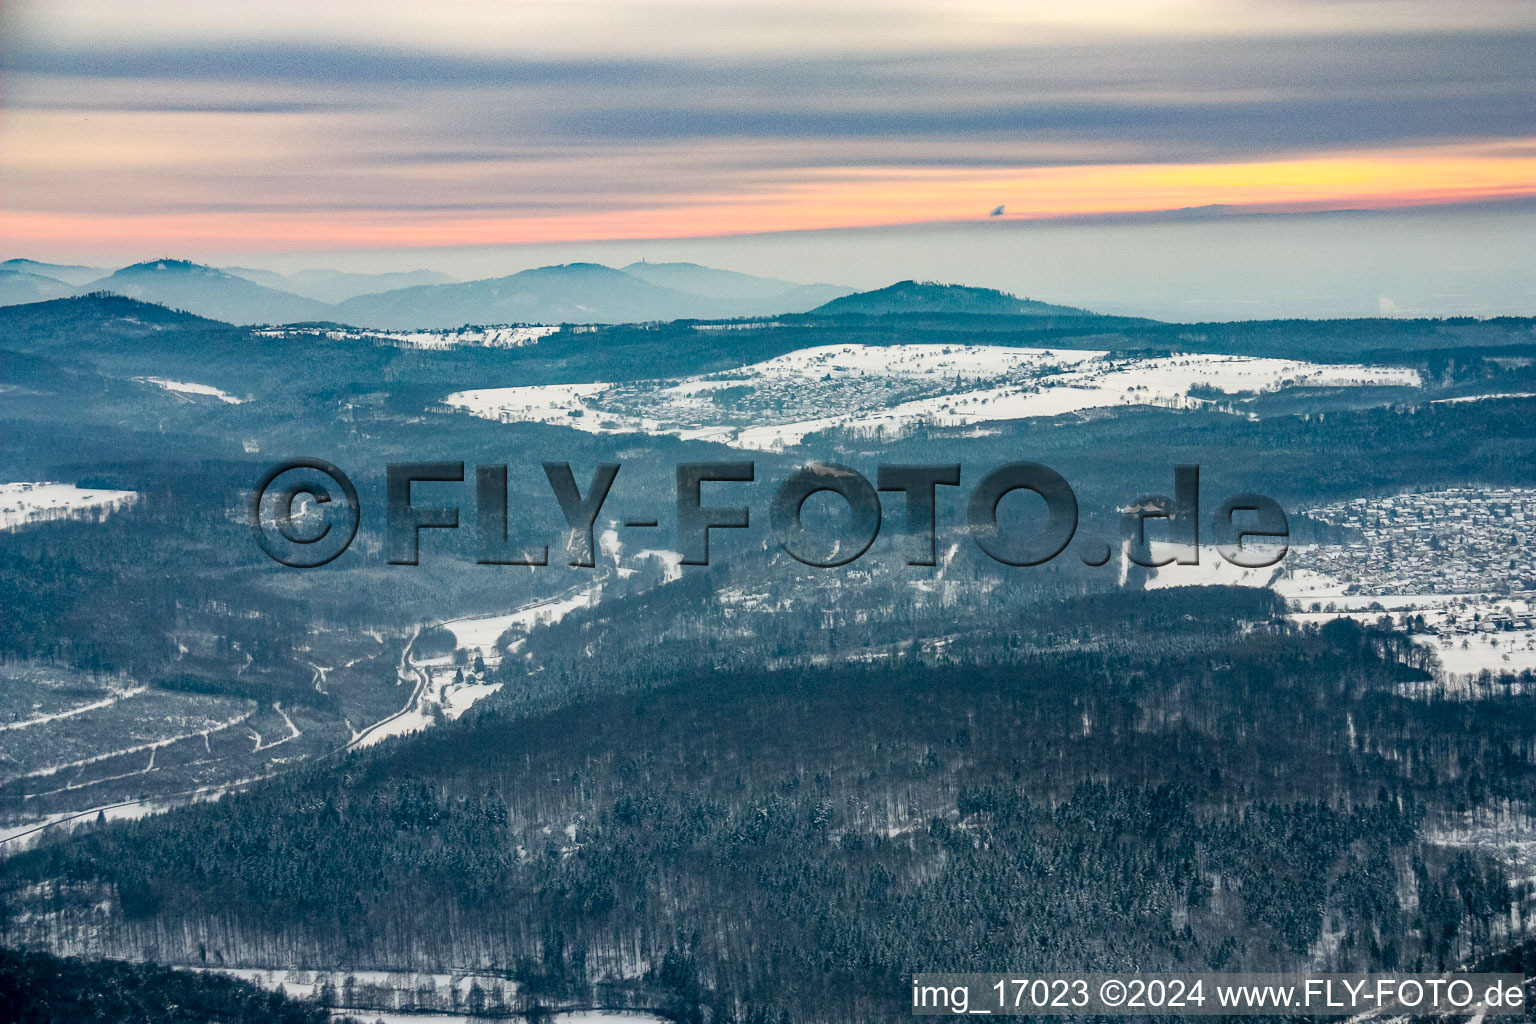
(584, 1017)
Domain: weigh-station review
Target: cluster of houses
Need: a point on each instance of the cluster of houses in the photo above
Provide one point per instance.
(1463, 542)
(1456, 568)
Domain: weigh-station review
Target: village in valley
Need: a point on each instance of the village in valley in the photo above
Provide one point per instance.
(1456, 567)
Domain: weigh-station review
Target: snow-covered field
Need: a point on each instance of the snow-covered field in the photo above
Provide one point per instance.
(478, 635)
(487, 337)
(23, 503)
(405, 989)
(1513, 651)
(671, 562)
(1482, 398)
(885, 390)
(503, 336)
(182, 387)
(436, 682)
(1212, 571)
(584, 1017)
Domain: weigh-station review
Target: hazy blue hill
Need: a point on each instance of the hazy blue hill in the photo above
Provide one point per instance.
(728, 284)
(338, 285)
(569, 293)
(97, 314)
(265, 278)
(69, 274)
(81, 353)
(20, 286)
(930, 297)
(210, 292)
(804, 298)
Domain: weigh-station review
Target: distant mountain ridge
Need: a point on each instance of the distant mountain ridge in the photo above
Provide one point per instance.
(17, 286)
(582, 293)
(209, 292)
(337, 285)
(67, 273)
(932, 297)
(568, 293)
(728, 284)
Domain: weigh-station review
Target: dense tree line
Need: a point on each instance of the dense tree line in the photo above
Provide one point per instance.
(36, 988)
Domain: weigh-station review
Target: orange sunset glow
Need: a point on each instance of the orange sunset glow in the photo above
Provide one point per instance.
(164, 126)
(857, 197)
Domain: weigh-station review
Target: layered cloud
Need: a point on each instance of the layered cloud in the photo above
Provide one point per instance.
(162, 124)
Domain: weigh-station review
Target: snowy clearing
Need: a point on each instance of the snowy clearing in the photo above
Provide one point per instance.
(1482, 398)
(478, 634)
(886, 390)
(439, 686)
(671, 562)
(25, 503)
(182, 387)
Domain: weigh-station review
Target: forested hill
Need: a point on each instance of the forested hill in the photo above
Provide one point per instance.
(748, 843)
(99, 315)
(931, 297)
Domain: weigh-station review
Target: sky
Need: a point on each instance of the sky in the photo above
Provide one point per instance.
(474, 136)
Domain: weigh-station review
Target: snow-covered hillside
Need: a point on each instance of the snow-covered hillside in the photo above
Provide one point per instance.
(502, 336)
(885, 390)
